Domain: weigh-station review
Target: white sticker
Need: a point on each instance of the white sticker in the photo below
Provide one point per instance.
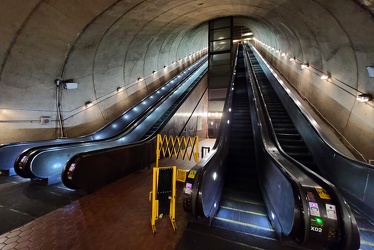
(331, 211)
(188, 188)
(314, 210)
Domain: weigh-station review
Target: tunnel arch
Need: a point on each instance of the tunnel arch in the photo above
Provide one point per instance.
(101, 45)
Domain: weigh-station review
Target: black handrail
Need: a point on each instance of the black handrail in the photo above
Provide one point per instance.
(9, 152)
(40, 157)
(93, 169)
(264, 128)
(351, 235)
(215, 162)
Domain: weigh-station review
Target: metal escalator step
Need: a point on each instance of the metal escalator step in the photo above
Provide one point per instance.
(283, 125)
(233, 193)
(200, 237)
(287, 136)
(245, 205)
(295, 148)
(285, 131)
(301, 156)
(246, 223)
(291, 142)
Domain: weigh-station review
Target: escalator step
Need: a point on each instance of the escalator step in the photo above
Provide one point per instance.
(200, 237)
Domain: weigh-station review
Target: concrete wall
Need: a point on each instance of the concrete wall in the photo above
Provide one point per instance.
(334, 41)
(192, 114)
(101, 45)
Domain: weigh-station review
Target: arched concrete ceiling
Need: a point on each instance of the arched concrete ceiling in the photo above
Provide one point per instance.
(103, 44)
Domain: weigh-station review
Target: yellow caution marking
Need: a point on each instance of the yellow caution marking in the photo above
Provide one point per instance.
(192, 174)
(243, 211)
(248, 201)
(244, 224)
(323, 194)
(366, 243)
(366, 229)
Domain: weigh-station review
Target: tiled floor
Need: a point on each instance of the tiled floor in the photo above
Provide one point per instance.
(114, 217)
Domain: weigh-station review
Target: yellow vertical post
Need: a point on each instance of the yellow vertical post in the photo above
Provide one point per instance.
(153, 199)
(172, 198)
(159, 140)
(196, 154)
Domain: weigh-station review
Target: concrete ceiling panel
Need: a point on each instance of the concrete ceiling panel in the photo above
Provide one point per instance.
(103, 44)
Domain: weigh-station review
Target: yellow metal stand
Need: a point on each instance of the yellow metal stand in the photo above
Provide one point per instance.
(155, 201)
(168, 147)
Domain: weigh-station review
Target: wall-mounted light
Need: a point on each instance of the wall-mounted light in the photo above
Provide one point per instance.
(283, 54)
(370, 70)
(153, 72)
(326, 77)
(164, 66)
(293, 58)
(139, 79)
(364, 97)
(88, 104)
(304, 65)
(119, 89)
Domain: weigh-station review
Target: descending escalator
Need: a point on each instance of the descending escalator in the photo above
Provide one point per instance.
(248, 193)
(242, 207)
(241, 220)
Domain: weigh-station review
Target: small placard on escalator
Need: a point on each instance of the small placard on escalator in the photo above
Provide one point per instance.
(323, 194)
(331, 211)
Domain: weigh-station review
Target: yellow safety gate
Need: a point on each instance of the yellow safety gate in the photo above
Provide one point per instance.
(163, 194)
(168, 146)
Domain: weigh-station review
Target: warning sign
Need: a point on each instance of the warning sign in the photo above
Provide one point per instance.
(192, 174)
(331, 211)
(323, 194)
(314, 210)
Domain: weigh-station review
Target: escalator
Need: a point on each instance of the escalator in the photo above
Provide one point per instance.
(90, 170)
(259, 197)
(241, 221)
(46, 163)
(293, 144)
(9, 152)
(286, 133)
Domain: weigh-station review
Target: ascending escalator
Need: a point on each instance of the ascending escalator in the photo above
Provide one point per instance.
(9, 152)
(46, 163)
